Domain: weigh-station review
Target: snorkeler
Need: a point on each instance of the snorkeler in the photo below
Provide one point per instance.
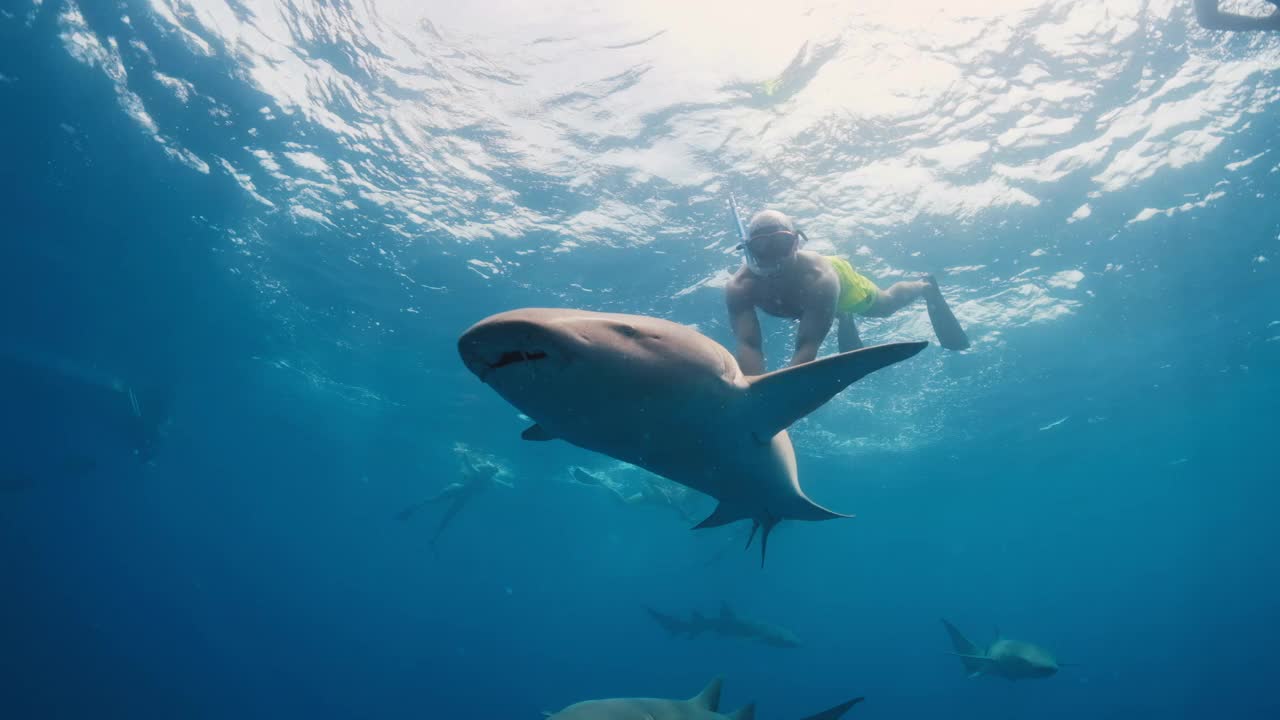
(475, 480)
(785, 281)
(149, 419)
(1213, 18)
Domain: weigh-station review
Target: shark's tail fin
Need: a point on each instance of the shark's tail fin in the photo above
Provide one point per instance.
(746, 712)
(837, 711)
(726, 513)
(970, 655)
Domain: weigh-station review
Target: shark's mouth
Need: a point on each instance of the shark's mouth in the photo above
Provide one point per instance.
(517, 356)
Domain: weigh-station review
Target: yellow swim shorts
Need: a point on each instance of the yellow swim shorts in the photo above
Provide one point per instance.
(857, 293)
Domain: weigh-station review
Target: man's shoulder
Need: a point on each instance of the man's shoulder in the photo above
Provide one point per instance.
(740, 287)
(813, 259)
(818, 265)
(740, 279)
(823, 281)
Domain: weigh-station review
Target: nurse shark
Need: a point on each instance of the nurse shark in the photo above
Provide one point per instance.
(703, 706)
(664, 397)
(1009, 659)
(728, 624)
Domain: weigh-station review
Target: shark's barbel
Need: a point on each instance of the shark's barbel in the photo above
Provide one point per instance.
(666, 398)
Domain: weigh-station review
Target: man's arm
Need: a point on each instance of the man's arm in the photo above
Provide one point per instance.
(746, 328)
(815, 323)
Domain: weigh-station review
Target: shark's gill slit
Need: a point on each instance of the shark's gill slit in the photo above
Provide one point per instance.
(512, 357)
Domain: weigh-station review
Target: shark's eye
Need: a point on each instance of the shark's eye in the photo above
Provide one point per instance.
(627, 330)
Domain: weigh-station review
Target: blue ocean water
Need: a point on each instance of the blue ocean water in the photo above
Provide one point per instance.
(242, 237)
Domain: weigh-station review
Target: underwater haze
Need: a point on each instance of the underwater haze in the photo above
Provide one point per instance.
(241, 239)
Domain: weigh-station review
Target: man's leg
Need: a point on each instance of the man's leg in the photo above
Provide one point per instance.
(950, 335)
(847, 333)
(896, 297)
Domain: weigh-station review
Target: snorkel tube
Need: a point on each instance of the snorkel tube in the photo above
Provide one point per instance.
(737, 219)
(752, 263)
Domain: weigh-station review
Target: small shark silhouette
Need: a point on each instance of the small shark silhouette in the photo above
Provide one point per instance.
(1009, 659)
(728, 624)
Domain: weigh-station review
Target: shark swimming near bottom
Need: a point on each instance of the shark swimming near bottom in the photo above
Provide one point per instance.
(729, 624)
(1009, 659)
(666, 398)
(703, 706)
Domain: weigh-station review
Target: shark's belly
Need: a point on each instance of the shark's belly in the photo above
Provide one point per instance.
(729, 468)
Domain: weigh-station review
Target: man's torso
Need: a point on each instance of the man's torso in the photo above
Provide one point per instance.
(789, 294)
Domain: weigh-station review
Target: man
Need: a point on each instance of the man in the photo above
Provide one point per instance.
(475, 480)
(785, 281)
(1213, 18)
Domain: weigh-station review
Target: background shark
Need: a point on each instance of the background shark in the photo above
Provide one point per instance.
(1009, 659)
(63, 418)
(703, 706)
(727, 623)
(666, 398)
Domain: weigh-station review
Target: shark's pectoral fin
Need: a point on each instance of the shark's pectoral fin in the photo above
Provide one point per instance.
(536, 432)
(975, 665)
(837, 711)
(709, 698)
(778, 399)
(746, 712)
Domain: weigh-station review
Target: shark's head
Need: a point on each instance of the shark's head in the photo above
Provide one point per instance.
(782, 637)
(541, 359)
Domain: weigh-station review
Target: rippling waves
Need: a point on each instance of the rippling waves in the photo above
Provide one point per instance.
(401, 155)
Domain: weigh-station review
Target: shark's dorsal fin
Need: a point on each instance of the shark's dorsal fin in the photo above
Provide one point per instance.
(726, 612)
(836, 711)
(746, 712)
(778, 399)
(536, 432)
(709, 698)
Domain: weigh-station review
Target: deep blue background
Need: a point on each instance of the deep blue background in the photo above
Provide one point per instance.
(255, 567)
